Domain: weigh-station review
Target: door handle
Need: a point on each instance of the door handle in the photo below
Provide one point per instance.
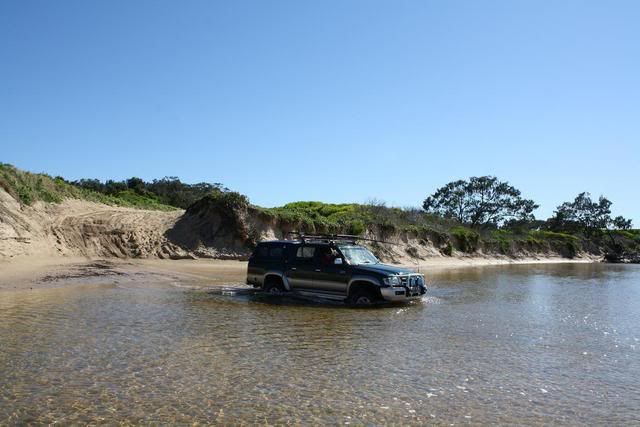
(293, 268)
(318, 270)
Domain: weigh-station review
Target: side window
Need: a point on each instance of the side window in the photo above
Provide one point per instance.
(262, 251)
(305, 253)
(275, 252)
(326, 255)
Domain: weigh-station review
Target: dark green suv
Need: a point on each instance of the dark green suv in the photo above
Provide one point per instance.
(333, 267)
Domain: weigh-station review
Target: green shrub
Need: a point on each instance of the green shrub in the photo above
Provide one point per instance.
(502, 240)
(566, 244)
(533, 241)
(448, 249)
(628, 234)
(230, 200)
(466, 239)
(357, 227)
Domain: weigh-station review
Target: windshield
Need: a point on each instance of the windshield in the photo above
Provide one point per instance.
(358, 255)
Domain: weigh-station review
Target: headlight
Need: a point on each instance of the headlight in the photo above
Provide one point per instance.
(391, 281)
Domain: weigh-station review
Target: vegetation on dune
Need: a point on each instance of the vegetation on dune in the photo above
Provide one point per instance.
(447, 235)
(353, 218)
(586, 215)
(27, 187)
(503, 224)
(319, 217)
(467, 240)
(30, 187)
(168, 191)
(633, 235)
(592, 221)
(498, 218)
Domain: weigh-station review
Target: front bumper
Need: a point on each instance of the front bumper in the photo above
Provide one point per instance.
(401, 293)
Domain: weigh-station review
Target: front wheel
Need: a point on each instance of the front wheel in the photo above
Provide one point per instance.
(362, 299)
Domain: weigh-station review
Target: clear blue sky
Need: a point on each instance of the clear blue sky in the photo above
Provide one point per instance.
(389, 100)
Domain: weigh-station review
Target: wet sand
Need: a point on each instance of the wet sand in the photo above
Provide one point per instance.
(46, 274)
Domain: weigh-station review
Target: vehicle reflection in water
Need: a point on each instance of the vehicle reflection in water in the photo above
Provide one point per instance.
(519, 345)
(288, 299)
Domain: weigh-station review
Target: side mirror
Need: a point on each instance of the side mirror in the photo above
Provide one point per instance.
(338, 261)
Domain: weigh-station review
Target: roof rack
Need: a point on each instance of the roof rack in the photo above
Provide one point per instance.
(329, 238)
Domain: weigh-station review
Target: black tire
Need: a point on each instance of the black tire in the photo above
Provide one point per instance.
(273, 286)
(362, 298)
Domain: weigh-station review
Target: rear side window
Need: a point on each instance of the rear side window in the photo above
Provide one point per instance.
(306, 252)
(275, 252)
(268, 251)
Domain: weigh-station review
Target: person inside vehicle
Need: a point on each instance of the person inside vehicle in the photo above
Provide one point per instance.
(328, 256)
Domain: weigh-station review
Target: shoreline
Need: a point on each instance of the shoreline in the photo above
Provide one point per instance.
(462, 262)
(61, 272)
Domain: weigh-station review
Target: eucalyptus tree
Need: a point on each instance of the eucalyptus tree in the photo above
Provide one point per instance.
(587, 215)
(480, 202)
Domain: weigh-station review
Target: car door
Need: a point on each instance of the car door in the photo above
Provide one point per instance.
(329, 276)
(301, 268)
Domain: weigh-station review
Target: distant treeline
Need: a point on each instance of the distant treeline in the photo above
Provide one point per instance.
(168, 190)
(485, 202)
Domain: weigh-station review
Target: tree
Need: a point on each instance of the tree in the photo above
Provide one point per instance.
(621, 223)
(136, 184)
(587, 215)
(90, 184)
(480, 201)
(114, 187)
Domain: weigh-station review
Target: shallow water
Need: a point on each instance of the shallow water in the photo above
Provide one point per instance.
(512, 345)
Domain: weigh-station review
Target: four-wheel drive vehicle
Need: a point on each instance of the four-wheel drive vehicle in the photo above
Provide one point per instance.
(333, 267)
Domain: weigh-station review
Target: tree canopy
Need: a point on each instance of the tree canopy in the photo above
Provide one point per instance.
(480, 201)
(587, 215)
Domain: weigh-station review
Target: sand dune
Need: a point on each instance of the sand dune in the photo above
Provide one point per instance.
(76, 228)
